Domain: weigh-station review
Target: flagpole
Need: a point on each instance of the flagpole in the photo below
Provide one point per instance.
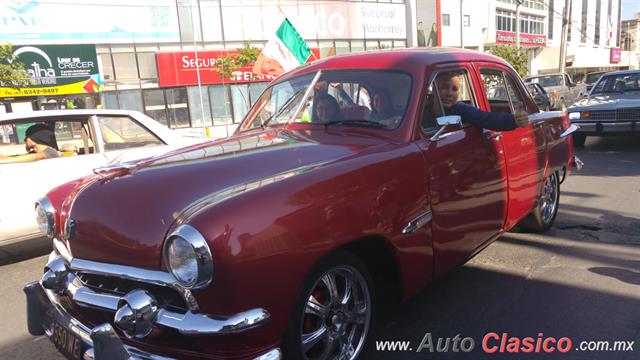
(286, 17)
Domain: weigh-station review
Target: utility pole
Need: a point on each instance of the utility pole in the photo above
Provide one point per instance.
(518, 3)
(566, 22)
(461, 27)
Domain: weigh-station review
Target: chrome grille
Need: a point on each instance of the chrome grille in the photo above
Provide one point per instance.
(602, 115)
(628, 114)
(166, 297)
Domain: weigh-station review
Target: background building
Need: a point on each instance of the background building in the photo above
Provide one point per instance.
(136, 40)
(485, 23)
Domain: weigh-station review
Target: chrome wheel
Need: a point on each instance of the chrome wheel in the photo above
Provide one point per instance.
(336, 316)
(549, 199)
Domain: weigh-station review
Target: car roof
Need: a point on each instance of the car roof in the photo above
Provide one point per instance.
(42, 115)
(409, 59)
(622, 72)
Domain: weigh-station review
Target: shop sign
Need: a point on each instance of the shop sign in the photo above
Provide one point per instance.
(507, 37)
(182, 69)
(614, 55)
(57, 70)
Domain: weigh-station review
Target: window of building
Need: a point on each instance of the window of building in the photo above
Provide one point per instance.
(220, 104)
(107, 66)
(445, 20)
(466, 21)
(199, 108)
(342, 47)
(178, 108)
(155, 105)
(505, 20)
(147, 65)
(125, 66)
(130, 100)
(189, 20)
(240, 100)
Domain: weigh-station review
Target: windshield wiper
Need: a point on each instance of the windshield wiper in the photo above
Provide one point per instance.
(367, 123)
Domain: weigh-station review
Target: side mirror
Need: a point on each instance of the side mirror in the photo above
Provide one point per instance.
(449, 120)
(443, 122)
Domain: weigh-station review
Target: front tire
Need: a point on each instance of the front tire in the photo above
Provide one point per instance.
(334, 314)
(579, 139)
(544, 215)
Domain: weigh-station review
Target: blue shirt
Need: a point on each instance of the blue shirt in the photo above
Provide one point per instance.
(497, 121)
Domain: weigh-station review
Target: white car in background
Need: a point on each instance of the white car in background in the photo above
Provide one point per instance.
(88, 139)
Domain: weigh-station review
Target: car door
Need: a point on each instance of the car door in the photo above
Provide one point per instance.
(466, 174)
(524, 148)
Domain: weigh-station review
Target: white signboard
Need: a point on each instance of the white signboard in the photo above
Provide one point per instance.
(81, 21)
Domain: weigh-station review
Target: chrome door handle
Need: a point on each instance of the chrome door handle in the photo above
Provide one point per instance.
(492, 135)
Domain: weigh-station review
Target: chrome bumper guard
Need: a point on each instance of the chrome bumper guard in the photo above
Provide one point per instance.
(577, 163)
(101, 342)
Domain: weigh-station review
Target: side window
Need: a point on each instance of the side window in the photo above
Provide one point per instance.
(446, 90)
(73, 138)
(501, 91)
(122, 132)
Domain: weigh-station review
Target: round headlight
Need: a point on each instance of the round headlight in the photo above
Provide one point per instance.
(188, 258)
(44, 217)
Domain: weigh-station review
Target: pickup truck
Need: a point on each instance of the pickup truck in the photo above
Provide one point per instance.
(562, 91)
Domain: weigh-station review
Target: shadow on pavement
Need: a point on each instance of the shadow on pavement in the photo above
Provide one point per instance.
(473, 301)
(13, 253)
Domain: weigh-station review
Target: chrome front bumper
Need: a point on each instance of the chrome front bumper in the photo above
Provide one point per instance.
(603, 127)
(100, 342)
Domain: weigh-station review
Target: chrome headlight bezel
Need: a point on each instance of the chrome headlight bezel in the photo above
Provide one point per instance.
(48, 226)
(201, 254)
(574, 115)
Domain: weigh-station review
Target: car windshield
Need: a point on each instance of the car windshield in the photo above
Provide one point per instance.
(545, 81)
(618, 83)
(362, 98)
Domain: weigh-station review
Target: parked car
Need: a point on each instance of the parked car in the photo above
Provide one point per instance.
(286, 238)
(539, 96)
(611, 108)
(91, 138)
(562, 91)
(591, 78)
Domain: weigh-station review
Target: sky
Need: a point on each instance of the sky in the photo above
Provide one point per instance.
(629, 8)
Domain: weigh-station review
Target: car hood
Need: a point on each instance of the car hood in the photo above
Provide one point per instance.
(123, 215)
(607, 102)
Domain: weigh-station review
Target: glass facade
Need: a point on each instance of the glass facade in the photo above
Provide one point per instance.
(529, 24)
(130, 72)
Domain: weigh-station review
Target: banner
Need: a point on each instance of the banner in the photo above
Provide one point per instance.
(88, 22)
(508, 37)
(57, 70)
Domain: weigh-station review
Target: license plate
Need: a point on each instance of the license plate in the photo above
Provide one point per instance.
(66, 341)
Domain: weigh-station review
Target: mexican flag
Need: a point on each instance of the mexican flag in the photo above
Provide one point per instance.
(283, 52)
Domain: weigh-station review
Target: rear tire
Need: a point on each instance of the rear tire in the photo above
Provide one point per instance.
(579, 139)
(543, 216)
(335, 311)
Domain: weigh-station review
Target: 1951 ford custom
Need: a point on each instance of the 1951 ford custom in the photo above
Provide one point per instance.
(284, 240)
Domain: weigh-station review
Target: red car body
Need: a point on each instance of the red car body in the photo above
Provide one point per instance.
(272, 203)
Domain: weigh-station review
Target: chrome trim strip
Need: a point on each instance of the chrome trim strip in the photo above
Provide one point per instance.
(570, 130)
(274, 354)
(418, 222)
(198, 324)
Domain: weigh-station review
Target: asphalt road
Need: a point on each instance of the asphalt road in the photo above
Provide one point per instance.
(580, 280)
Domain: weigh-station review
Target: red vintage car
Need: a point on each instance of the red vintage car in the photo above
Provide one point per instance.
(328, 204)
